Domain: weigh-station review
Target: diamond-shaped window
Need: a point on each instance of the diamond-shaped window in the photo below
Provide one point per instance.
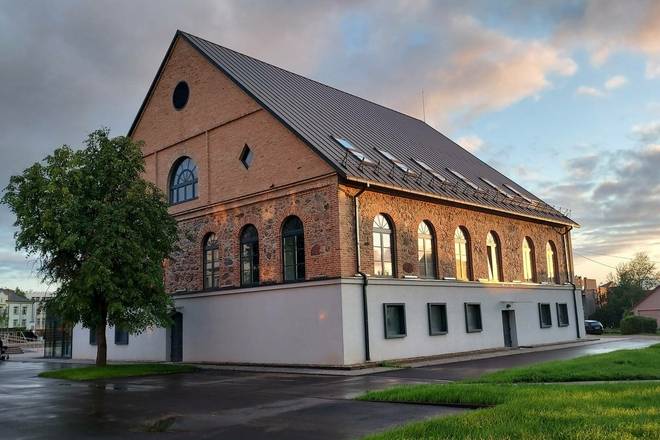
(247, 156)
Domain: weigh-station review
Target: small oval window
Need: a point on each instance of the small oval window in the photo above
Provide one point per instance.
(180, 95)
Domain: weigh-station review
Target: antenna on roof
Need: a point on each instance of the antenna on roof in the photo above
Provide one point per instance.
(423, 107)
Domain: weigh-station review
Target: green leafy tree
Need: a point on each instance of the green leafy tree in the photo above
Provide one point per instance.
(100, 232)
(631, 280)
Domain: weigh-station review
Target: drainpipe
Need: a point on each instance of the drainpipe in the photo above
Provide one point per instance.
(569, 275)
(365, 281)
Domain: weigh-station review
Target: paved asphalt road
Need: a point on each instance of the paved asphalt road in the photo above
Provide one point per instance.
(228, 405)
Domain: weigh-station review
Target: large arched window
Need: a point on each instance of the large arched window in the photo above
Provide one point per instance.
(551, 262)
(183, 181)
(461, 249)
(494, 257)
(382, 237)
(293, 249)
(211, 262)
(529, 266)
(425, 250)
(249, 256)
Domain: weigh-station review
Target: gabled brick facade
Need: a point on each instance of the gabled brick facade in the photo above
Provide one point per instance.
(288, 178)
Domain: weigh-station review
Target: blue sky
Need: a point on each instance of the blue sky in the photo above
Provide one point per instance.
(563, 97)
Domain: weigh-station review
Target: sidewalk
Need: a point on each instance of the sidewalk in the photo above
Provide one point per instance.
(359, 371)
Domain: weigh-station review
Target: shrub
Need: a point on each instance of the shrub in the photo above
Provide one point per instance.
(638, 324)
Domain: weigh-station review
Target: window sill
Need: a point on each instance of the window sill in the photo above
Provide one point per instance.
(438, 333)
(395, 336)
(475, 331)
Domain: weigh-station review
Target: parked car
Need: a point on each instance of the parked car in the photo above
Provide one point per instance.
(593, 327)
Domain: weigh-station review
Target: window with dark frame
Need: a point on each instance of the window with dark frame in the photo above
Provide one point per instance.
(183, 181)
(473, 322)
(121, 336)
(247, 156)
(293, 249)
(545, 315)
(211, 262)
(437, 319)
(395, 320)
(562, 315)
(249, 256)
(92, 336)
(425, 250)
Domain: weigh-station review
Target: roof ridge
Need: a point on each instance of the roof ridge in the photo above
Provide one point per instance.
(187, 34)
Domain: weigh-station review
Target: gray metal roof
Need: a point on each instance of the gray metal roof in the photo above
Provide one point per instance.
(12, 296)
(317, 113)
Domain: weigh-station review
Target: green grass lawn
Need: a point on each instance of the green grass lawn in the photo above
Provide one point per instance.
(516, 408)
(613, 411)
(114, 371)
(618, 365)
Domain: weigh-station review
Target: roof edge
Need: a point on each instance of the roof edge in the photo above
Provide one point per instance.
(462, 202)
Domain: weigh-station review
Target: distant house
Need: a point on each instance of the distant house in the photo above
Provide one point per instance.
(650, 305)
(18, 311)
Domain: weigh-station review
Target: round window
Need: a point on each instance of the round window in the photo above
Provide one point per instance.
(180, 95)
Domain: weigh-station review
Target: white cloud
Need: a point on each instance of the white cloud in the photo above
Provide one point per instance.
(589, 91)
(647, 133)
(611, 84)
(610, 26)
(472, 143)
(615, 82)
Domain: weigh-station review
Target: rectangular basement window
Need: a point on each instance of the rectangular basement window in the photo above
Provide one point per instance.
(121, 336)
(92, 336)
(437, 319)
(473, 317)
(545, 315)
(395, 320)
(562, 315)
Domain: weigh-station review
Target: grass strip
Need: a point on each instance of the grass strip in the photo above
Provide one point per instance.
(639, 364)
(616, 411)
(115, 371)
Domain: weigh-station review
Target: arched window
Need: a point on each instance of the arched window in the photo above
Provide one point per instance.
(551, 262)
(529, 266)
(461, 249)
(293, 248)
(249, 256)
(425, 251)
(183, 181)
(211, 262)
(382, 237)
(493, 256)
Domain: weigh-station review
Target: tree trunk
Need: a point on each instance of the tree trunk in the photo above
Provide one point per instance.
(101, 343)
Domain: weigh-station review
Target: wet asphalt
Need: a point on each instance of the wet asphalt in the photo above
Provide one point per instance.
(214, 404)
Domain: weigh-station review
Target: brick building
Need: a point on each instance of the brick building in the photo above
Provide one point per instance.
(319, 228)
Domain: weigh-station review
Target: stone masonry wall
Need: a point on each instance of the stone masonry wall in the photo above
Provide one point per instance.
(407, 213)
(316, 208)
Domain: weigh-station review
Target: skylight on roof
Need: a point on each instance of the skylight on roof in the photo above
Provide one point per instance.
(431, 171)
(492, 185)
(402, 166)
(518, 193)
(463, 178)
(348, 146)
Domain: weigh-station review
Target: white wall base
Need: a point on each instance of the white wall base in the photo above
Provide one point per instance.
(321, 322)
